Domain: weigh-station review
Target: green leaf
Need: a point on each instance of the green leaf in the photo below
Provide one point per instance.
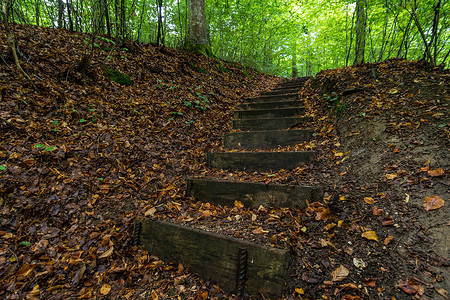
(2, 168)
(25, 244)
(100, 179)
(37, 146)
(83, 121)
(441, 125)
(50, 149)
(55, 123)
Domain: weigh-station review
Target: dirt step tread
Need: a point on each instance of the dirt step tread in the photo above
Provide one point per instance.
(252, 194)
(268, 123)
(269, 113)
(264, 161)
(268, 139)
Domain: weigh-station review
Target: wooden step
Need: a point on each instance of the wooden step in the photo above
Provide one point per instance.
(252, 194)
(268, 123)
(263, 161)
(272, 98)
(268, 139)
(238, 266)
(269, 105)
(269, 113)
(282, 92)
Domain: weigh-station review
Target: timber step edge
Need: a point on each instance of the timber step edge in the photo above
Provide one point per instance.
(268, 139)
(263, 161)
(269, 113)
(268, 123)
(252, 194)
(218, 257)
(268, 105)
(281, 92)
(271, 98)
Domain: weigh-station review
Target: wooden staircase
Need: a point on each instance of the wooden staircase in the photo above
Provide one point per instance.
(240, 266)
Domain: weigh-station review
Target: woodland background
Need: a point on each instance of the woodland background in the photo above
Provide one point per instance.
(280, 37)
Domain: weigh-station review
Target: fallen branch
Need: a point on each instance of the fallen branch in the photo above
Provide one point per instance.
(11, 43)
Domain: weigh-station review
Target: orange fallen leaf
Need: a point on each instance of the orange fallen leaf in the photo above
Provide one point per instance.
(204, 295)
(299, 291)
(105, 289)
(433, 202)
(387, 221)
(340, 273)
(25, 270)
(238, 204)
(350, 285)
(377, 211)
(370, 200)
(424, 169)
(370, 235)
(388, 239)
(436, 173)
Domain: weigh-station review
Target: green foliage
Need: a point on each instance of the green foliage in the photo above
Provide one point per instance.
(336, 103)
(2, 168)
(116, 76)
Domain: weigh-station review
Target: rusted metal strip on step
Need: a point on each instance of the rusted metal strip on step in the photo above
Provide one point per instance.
(238, 266)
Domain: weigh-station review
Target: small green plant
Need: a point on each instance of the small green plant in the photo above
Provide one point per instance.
(47, 149)
(83, 120)
(2, 168)
(116, 76)
(338, 105)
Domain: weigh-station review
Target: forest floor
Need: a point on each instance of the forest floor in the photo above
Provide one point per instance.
(84, 156)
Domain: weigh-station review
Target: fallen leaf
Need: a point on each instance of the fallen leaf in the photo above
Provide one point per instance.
(259, 230)
(350, 297)
(205, 295)
(150, 212)
(377, 211)
(387, 221)
(388, 239)
(154, 295)
(105, 289)
(433, 202)
(436, 173)
(299, 291)
(370, 200)
(238, 204)
(107, 253)
(372, 282)
(370, 235)
(391, 176)
(350, 285)
(409, 286)
(340, 273)
(442, 292)
(25, 270)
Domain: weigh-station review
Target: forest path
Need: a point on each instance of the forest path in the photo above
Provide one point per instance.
(236, 265)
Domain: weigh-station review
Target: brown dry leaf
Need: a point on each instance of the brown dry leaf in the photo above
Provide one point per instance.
(340, 273)
(387, 221)
(370, 200)
(206, 213)
(388, 239)
(442, 292)
(436, 173)
(25, 270)
(370, 235)
(259, 230)
(391, 176)
(238, 204)
(377, 211)
(433, 202)
(350, 297)
(350, 285)
(150, 212)
(369, 282)
(105, 289)
(424, 169)
(107, 253)
(409, 286)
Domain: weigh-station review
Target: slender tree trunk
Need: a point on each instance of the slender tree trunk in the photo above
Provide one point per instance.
(37, 12)
(108, 23)
(383, 41)
(197, 37)
(69, 14)
(351, 40)
(60, 13)
(160, 33)
(361, 21)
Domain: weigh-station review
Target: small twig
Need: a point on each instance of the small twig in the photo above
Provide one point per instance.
(17, 259)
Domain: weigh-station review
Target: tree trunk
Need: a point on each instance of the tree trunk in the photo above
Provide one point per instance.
(69, 15)
(37, 12)
(60, 13)
(197, 37)
(361, 21)
(108, 24)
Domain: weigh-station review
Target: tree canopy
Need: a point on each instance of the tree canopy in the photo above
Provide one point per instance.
(281, 37)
